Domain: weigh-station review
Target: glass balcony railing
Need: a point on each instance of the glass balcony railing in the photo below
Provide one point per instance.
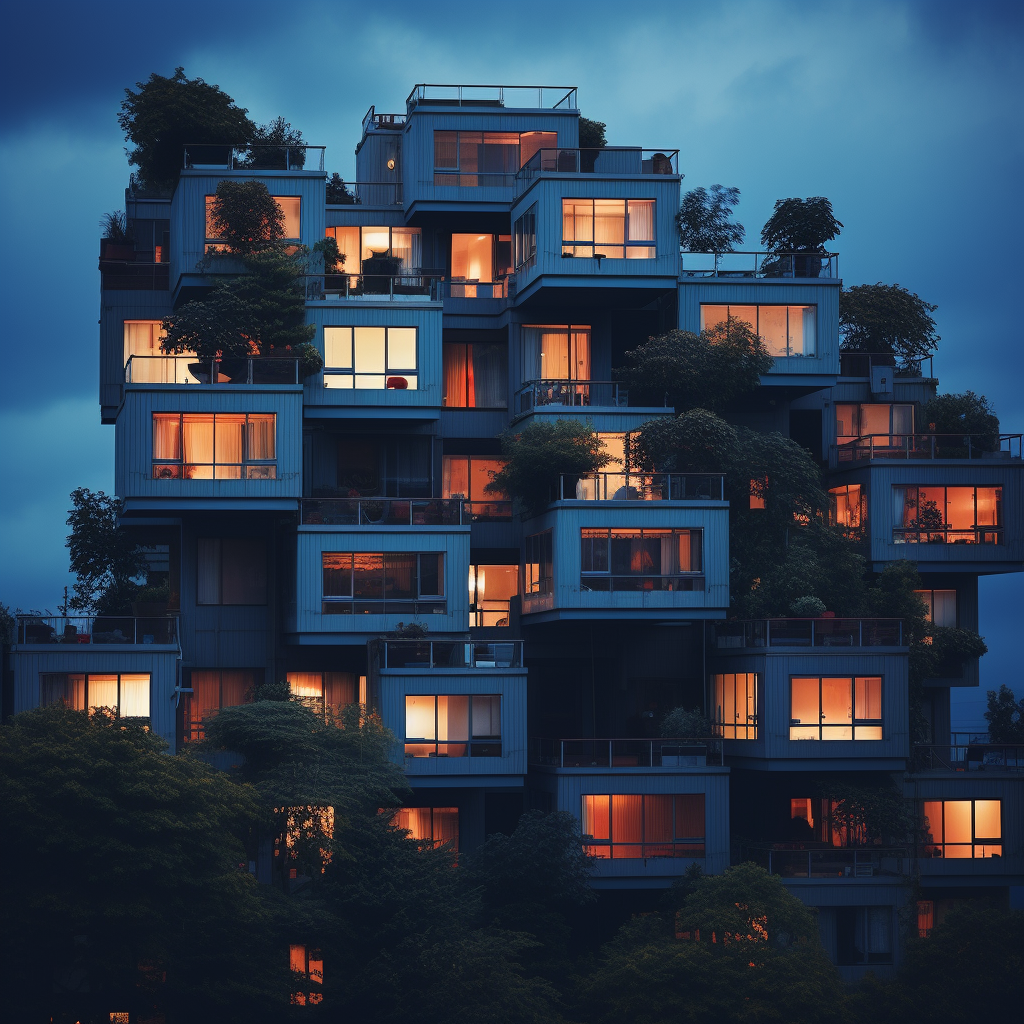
(96, 629)
(414, 286)
(642, 487)
(573, 393)
(860, 364)
(183, 369)
(760, 264)
(449, 654)
(791, 861)
(822, 632)
(672, 752)
(202, 156)
(967, 752)
(525, 97)
(610, 161)
(382, 512)
(927, 446)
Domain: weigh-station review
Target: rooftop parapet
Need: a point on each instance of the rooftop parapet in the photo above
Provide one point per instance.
(96, 629)
(609, 161)
(519, 97)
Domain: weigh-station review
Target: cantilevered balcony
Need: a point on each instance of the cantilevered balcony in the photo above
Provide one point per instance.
(967, 752)
(643, 753)
(931, 447)
(444, 655)
(821, 632)
(642, 487)
(183, 369)
(797, 860)
(96, 630)
(755, 265)
(574, 394)
(376, 512)
(415, 286)
(611, 161)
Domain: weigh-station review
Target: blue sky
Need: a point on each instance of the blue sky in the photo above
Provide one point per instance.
(907, 115)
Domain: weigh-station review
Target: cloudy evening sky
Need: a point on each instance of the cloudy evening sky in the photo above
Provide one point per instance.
(908, 116)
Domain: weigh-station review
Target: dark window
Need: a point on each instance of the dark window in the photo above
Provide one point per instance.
(538, 571)
(863, 935)
(231, 571)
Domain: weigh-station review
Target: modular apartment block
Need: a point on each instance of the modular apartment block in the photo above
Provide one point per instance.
(296, 523)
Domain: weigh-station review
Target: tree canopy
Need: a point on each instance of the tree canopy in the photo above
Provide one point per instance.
(246, 217)
(887, 318)
(965, 414)
(1005, 716)
(592, 134)
(705, 220)
(800, 225)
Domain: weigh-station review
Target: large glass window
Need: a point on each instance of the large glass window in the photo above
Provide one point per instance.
(214, 446)
(848, 506)
(835, 708)
(290, 206)
(524, 238)
(491, 589)
(786, 330)
(963, 829)
(471, 159)
(391, 583)
(736, 705)
(231, 570)
(434, 825)
(628, 826)
(863, 935)
(860, 420)
(326, 691)
(617, 228)
(941, 605)
(124, 693)
(480, 263)
(556, 352)
(475, 375)
(212, 690)
(538, 569)
(373, 358)
(633, 559)
(357, 243)
(947, 515)
(453, 725)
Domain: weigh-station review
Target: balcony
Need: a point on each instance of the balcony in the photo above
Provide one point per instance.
(611, 161)
(788, 861)
(747, 265)
(571, 393)
(518, 97)
(975, 447)
(672, 753)
(444, 655)
(204, 157)
(375, 512)
(134, 275)
(418, 286)
(823, 632)
(191, 370)
(386, 122)
(96, 630)
(968, 753)
(642, 487)
(860, 364)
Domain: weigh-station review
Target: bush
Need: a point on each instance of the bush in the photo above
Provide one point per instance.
(683, 723)
(592, 134)
(800, 225)
(963, 414)
(887, 318)
(807, 607)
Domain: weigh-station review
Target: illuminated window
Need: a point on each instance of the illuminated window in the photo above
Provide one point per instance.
(434, 825)
(481, 159)
(617, 228)
(307, 975)
(863, 935)
(211, 691)
(524, 238)
(836, 708)
(941, 606)
(214, 446)
(475, 375)
(124, 693)
(479, 265)
(641, 559)
(848, 506)
(627, 826)
(357, 243)
(391, 583)
(374, 358)
(736, 705)
(556, 352)
(456, 725)
(861, 420)
(925, 918)
(231, 570)
(947, 515)
(467, 476)
(963, 829)
(538, 569)
(786, 330)
(290, 206)
(758, 491)
(491, 589)
(327, 691)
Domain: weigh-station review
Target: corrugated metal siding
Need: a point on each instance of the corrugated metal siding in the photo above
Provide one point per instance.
(133, 477)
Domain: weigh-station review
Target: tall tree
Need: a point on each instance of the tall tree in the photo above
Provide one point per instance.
(887, 318)
(705, 220)
(1005, 716)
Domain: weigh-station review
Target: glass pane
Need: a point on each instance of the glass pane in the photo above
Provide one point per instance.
(595, 817)
(368, 576)
(486, 715)
(446, 149)
(135, 695)
(943, 607)
(337, 573)
(260, 439)
(712, 316)
(376, 241)
(846, 421)
(453, 717)
(987, 819)
(473, 257)
(446, 825)
(455, 480)
(874, 419)
(610, 222)
(102, 692)
(577, 220)
(228, 438)
(481, 473)
(290, 207)
(801, 330)
(748, 314)
(869, 698)
(658, 825)
(400, 577)
(401, 348)
(431, 575)
(690, 816)
(956, 821)
(305, 684)
(419, 718)
(641, 220)
(198, 436)
(836, 702)
(166, 436)
(369, 350)
(772, 327)
(989, 506)
(626, 818)
(805, 709)
(338, 347)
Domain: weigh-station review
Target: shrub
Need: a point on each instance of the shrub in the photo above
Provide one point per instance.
(887, 318)
(683, 722)
(807, 607)
(963, 414)
(800, 225)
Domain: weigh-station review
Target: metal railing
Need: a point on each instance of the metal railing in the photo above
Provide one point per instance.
(859, 364)
(642, 487)
(456, 289)
(605, 583)
(669, 752)
(927, 446)
(96, 629)
(947, 535)
(760, 264)
(130, 275)
(471, 179)
(371, 117)
(202, 156)
(828, 862)
(447, 654)
(375, 193)
(965, 753)
(415, 285)
(183, 369)
(486, 511)
(381, 512)
(540, 97)
(823, 632)
(574, 393)
(608, 160)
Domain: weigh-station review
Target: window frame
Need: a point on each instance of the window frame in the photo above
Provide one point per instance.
(462, 401)
(220, 602)
(571, 245)
(612, 849)
(542, 545)
(421, 604)
(248, 468)
(524, 239)
(979, 534)
(843, 439)
(858, 512)
(937, 849)
(484, 745)
(214, 242)
(347, 378)
(434, 841)
(690, 580)
(813, 354)
(751, 690)
(49, 678)
(441, 174)
(192, 724)
(930, 602)
(859, 940)
(854, 722)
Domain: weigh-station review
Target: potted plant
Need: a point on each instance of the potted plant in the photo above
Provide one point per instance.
(795, 236)
(117, 242)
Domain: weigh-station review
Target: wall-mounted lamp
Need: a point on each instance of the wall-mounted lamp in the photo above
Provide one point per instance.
(391, 164)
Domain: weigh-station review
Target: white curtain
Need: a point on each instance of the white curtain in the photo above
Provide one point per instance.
(260, 439)
(135, 695)
(198, 437)
(641, 220)
(899, 506)
(486, 715)
(228, 438)
(166, 436)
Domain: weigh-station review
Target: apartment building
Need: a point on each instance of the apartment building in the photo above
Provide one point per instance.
(294, 523)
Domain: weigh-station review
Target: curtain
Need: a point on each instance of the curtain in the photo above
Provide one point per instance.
(595, 817)
(198, 438)
(446, 825)
(54, 688)
(453, 718)
(609, 225)
(488, 375)
(901, 515)
(481, 471)
(400, 577)
(407, 245)
(135, 695)
(166, 436)
(771, 325)
(244, 571)
(227, 438)
(456, 376)
(446, 149)
(944, 607)
(902, 419)
(339, 689)
(580, 369)
(208, 570)
(627, 823)
(260, 430)
(641, 220)
(205, 695)
(419, 718)
(368, 577)
(868, 698)
(455, 476)
(690, 816)
(290, 207)
(554, 355)
(531, 354)
(102, 691)
(338, 347)
(305, 684)
(658, 819)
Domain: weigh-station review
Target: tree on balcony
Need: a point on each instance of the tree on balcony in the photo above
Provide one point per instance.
(705, 220)
(967, 415)
(1005, 716)
(887, 318)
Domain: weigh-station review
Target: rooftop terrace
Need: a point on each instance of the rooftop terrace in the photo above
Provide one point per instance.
(521, 97)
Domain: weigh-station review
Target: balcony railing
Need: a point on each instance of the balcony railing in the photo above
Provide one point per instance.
(448, 654)
(967, 753)
(927, 446)
(201, 156)
(486, 511)
(192, 370)
(371, 119)
(457, 289)
(674, 752)
(828, 862)
(96, 629)
(414, 286)
(131, 275)
(859, 364)
(537, 97)
(760, 264)
(574, 393)
(642, 487)
(382, 512)
(490, 613)
(823, 632)
(376, 193)
(985, 535)
(610, 161)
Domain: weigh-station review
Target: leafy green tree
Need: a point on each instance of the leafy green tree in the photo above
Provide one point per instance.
(711, 369)
(107, 562)
(167, 114)
(131, 866)
(800, 225)
(535, 457)
(1005, 716)
(338, 193)
(592, 134)
(965, 414)
(276, 146)
(246, 217)
(704, 220)
(887, 318)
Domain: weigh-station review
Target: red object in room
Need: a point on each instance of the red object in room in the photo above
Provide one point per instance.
(398, 383)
